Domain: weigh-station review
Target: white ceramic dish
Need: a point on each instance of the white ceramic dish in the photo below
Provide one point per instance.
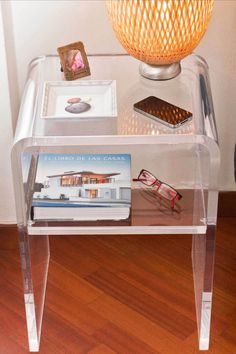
(99, 97)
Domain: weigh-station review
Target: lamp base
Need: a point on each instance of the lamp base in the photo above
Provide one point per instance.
(160, 72)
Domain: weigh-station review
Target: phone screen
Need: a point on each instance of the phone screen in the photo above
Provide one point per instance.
(163, 111)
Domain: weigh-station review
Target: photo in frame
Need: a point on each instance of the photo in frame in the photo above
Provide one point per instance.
(74, 61)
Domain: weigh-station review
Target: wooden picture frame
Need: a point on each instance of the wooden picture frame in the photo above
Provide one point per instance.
(74, 61)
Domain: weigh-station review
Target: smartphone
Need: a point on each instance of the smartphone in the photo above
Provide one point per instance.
(163, 112)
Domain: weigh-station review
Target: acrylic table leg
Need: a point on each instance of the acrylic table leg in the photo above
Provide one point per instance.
(203, 254)
(34, 252)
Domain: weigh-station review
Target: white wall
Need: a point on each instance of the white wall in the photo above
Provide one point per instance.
(219, 49)
(7, 208)
(33, 28)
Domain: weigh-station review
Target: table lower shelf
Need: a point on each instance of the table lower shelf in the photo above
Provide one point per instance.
(148, 215)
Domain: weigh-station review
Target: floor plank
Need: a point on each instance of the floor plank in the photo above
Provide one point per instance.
(120, 294)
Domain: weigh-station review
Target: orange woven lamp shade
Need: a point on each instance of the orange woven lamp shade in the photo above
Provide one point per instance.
(159, 32)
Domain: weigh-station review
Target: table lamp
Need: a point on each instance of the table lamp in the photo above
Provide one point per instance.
(159, 32)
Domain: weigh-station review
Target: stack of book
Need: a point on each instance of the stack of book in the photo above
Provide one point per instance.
(82, 187)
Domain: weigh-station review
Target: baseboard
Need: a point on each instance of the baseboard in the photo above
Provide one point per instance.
(7, 222)
(227, 204)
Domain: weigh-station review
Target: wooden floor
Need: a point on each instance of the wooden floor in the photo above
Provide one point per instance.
(120, 294)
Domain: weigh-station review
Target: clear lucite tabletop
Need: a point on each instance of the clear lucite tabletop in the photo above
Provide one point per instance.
(189, 90)
(187, 158)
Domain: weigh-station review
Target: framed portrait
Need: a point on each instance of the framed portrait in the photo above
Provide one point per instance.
(74, 61)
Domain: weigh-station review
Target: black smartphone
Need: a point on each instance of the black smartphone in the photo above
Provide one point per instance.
(163, 111)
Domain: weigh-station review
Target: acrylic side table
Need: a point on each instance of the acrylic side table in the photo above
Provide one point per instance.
(187, 158)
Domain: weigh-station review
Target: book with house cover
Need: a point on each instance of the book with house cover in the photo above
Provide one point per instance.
(82, 187)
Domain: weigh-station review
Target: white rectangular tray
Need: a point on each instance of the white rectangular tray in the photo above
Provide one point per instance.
(100, 95)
